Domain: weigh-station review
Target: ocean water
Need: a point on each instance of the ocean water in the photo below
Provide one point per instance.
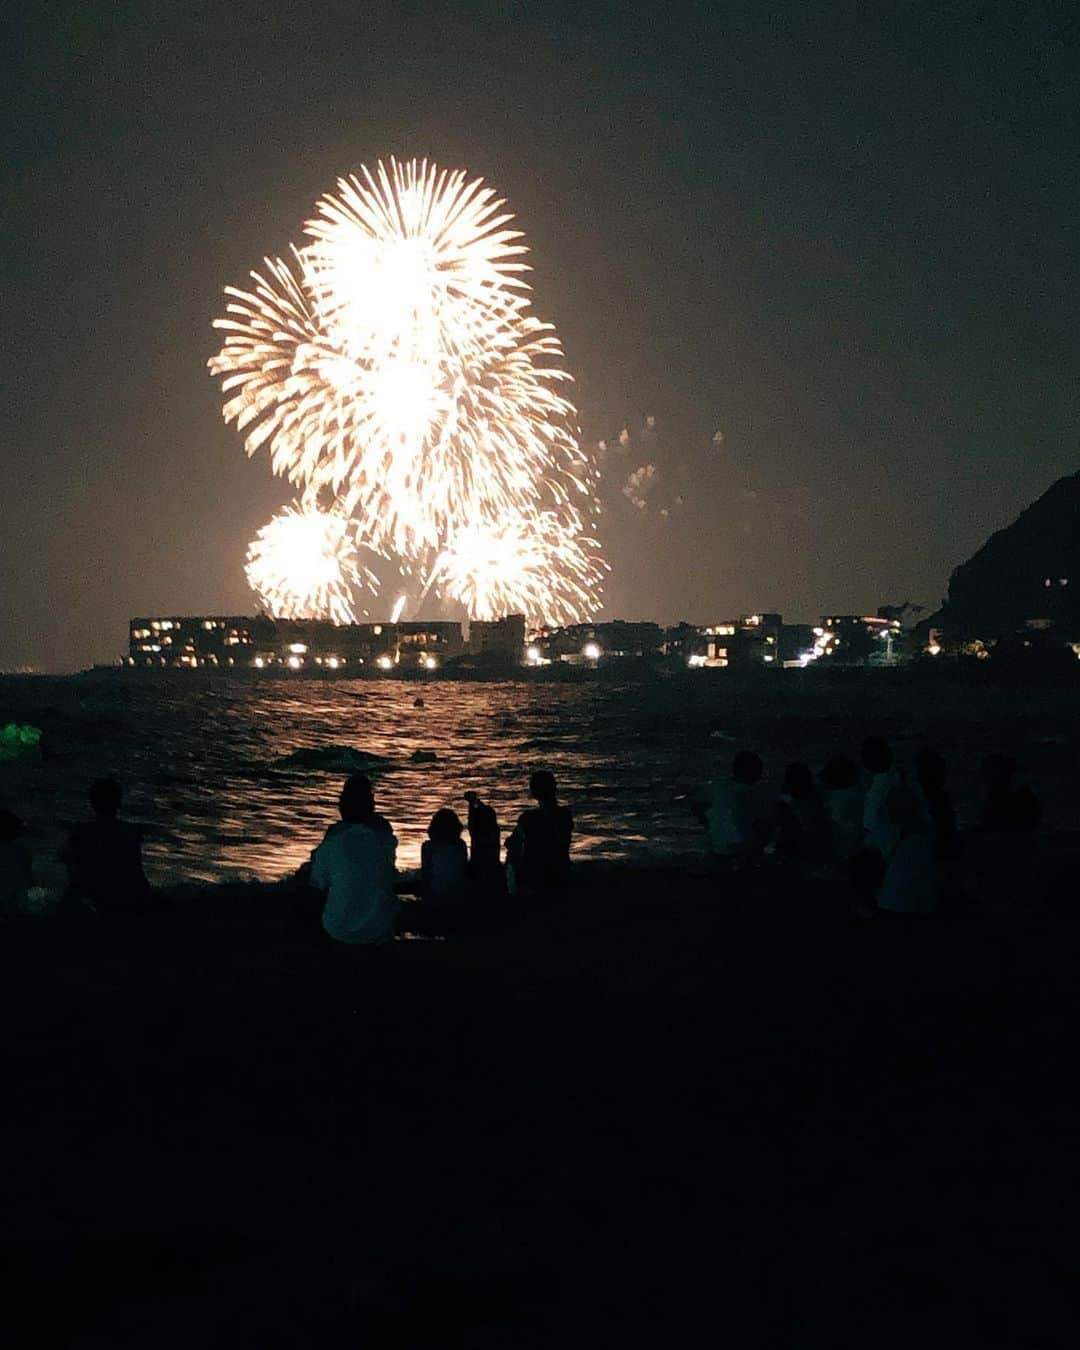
(239, 778)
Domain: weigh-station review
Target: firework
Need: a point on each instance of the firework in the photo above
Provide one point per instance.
(304, 565)
(543, 567)
(395, 366)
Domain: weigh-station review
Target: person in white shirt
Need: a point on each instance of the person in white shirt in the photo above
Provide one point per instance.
(879, 832)
(844, 806)
(736, 813)
(911, 879)
(354, 866)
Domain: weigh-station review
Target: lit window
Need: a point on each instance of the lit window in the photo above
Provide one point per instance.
(430, 663)
(377, 629)
(384, 663)
(295, 662)
(259, 663)
(298, 648)
(591, 651)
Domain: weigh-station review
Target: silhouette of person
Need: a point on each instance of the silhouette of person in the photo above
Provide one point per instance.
(909, 884)
(355, 867)
(1007, 809)
(484, 839)
(104, 857)
(932, 774)
(843, 801)
(736, 813)
(879, 834)
(801, 823)
(538, 849)
(444, 860)
(16, 865)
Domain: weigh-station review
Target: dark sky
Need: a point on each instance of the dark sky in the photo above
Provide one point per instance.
(843, 234)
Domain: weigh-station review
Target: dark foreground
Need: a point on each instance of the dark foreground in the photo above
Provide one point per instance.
(652, 1114)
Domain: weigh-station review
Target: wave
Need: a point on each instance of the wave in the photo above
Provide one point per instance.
(334, 759)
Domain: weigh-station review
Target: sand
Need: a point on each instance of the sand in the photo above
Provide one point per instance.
(665, 1109)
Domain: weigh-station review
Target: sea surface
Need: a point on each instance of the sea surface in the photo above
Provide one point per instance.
(237, 778)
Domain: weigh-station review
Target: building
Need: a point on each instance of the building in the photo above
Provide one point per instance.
(856, 640)
(262, 643)
(752, 640)
(498, 642)
(592, 643)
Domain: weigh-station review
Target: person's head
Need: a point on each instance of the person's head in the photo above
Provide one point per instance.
(473, 798)
(841, 772)
(998, 770)
(931, 769)
(747, 768)
(445, 827)
(11, 827)
(902, 808)
(105, 798)
(799, 781)
(542, 787)
(357, 800)
(876, 755)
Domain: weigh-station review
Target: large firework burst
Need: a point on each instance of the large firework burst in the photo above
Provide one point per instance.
(304, 565)
(395, 366)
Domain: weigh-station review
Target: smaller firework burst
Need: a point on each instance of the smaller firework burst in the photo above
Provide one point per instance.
(304, 565)
(539, 565)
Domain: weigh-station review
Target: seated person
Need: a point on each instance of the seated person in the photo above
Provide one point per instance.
(1008, 809)
(538, 850)
(736, 813)
(16, 865)
(911, 878)
(881, 777)
(843, 801)
(354, 867)
(485, 866)
(444, 860)
(932, 773)
(104, 857)
(801, 825)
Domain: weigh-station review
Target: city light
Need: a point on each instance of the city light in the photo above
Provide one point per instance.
(591, 651)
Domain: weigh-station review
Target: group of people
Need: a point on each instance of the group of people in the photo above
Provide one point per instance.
(893, 835)
(353, 871)
(354, 867)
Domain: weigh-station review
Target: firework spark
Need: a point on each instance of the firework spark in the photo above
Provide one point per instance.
(539, 566)
(304, 565)
(394, 364)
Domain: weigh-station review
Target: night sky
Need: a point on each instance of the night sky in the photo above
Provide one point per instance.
(844, 235)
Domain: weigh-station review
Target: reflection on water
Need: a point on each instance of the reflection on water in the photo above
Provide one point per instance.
(237, 778)
(240, 779)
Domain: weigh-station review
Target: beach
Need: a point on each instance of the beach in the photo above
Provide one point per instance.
(664, 1104)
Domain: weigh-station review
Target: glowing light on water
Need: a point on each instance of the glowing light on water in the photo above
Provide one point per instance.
(394, 367)
(304, 565)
